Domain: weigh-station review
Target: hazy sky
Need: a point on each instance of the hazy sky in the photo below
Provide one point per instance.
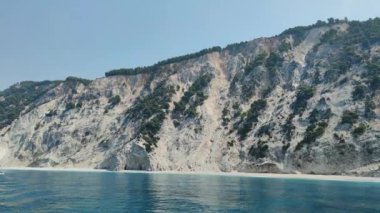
(44, 39)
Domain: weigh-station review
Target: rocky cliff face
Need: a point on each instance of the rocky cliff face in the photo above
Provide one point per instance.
(304, 101)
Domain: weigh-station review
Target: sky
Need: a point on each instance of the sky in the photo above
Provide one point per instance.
(50, 40)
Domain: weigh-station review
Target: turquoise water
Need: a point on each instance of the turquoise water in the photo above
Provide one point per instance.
(56, 191)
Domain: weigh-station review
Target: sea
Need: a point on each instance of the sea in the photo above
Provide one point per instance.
(72, 191)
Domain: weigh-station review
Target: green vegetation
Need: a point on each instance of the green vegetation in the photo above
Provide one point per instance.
(114, 100)
(369, 106)
(149, 69)
(364, 33)
(250, 79)
(284, 46)
(329, 36)
(273, 62)
(69, 106)
(233, 48)
(359, 92)
(285, 148)
(250, 117)
(150, 111)
(361, 33)
(318, 119)
(264, 130)
(360, 130)
(230, 143)
(72, 79)
(51, 113)
(14, 99)
(304, 93)
(341, 62)
(373, 68)
(351, 48)
(349, 117)
(225, 116)
(375, 83)
(288, 127)
(313, 132)
(258, 61)
(373, 75)
(320, 114)
(299, 33)
(259, 151)
(194, 97)
(79, 105)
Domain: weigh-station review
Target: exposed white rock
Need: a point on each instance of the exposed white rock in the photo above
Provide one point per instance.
(98, 135)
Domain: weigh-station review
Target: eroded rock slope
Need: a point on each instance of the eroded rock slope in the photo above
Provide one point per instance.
(304, 101)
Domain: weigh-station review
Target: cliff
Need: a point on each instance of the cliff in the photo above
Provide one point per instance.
(305, 101)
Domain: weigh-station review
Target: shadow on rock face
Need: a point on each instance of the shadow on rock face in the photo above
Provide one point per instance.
(132, 157)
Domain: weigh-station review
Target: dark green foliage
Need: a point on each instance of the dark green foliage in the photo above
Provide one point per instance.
(317, 77)
(320, 114)
(258, 61)
(18, 96)
(150, 111)
(349, 117)
(194, 97)
(273, 61)
(72, 79)
(299, 33)
(368, 109)
(151, 128)
(304, 93)
(373, 68)
(318, 120)
(350, 47)
(152, 104)
(341, 62)
(359, 92)
(266, 92)
(339, 138)
(114, 100)
(149, 69)
(225, 116)
(251, 79)
(360, 130)
(364, 33)
(331, 75)
(69, 106)
(79, 105)
(234, 48)
(285, 148)
(251, 117)
(288, 127)
(284, 46)
(329, 36)
(313, 132)
(51, 113)
(264, 130)
(373, 75)
(129, 71)
(259, 151)
(236, 110)
(375, 83)
(230, 143)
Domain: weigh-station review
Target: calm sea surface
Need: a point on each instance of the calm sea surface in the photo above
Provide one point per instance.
(58, 191)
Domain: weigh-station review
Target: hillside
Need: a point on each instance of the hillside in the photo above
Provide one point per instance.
(306, 100)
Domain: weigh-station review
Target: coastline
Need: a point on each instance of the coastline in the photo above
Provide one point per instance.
(232, 174)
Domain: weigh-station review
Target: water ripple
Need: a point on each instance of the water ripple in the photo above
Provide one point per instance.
(51, 191)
